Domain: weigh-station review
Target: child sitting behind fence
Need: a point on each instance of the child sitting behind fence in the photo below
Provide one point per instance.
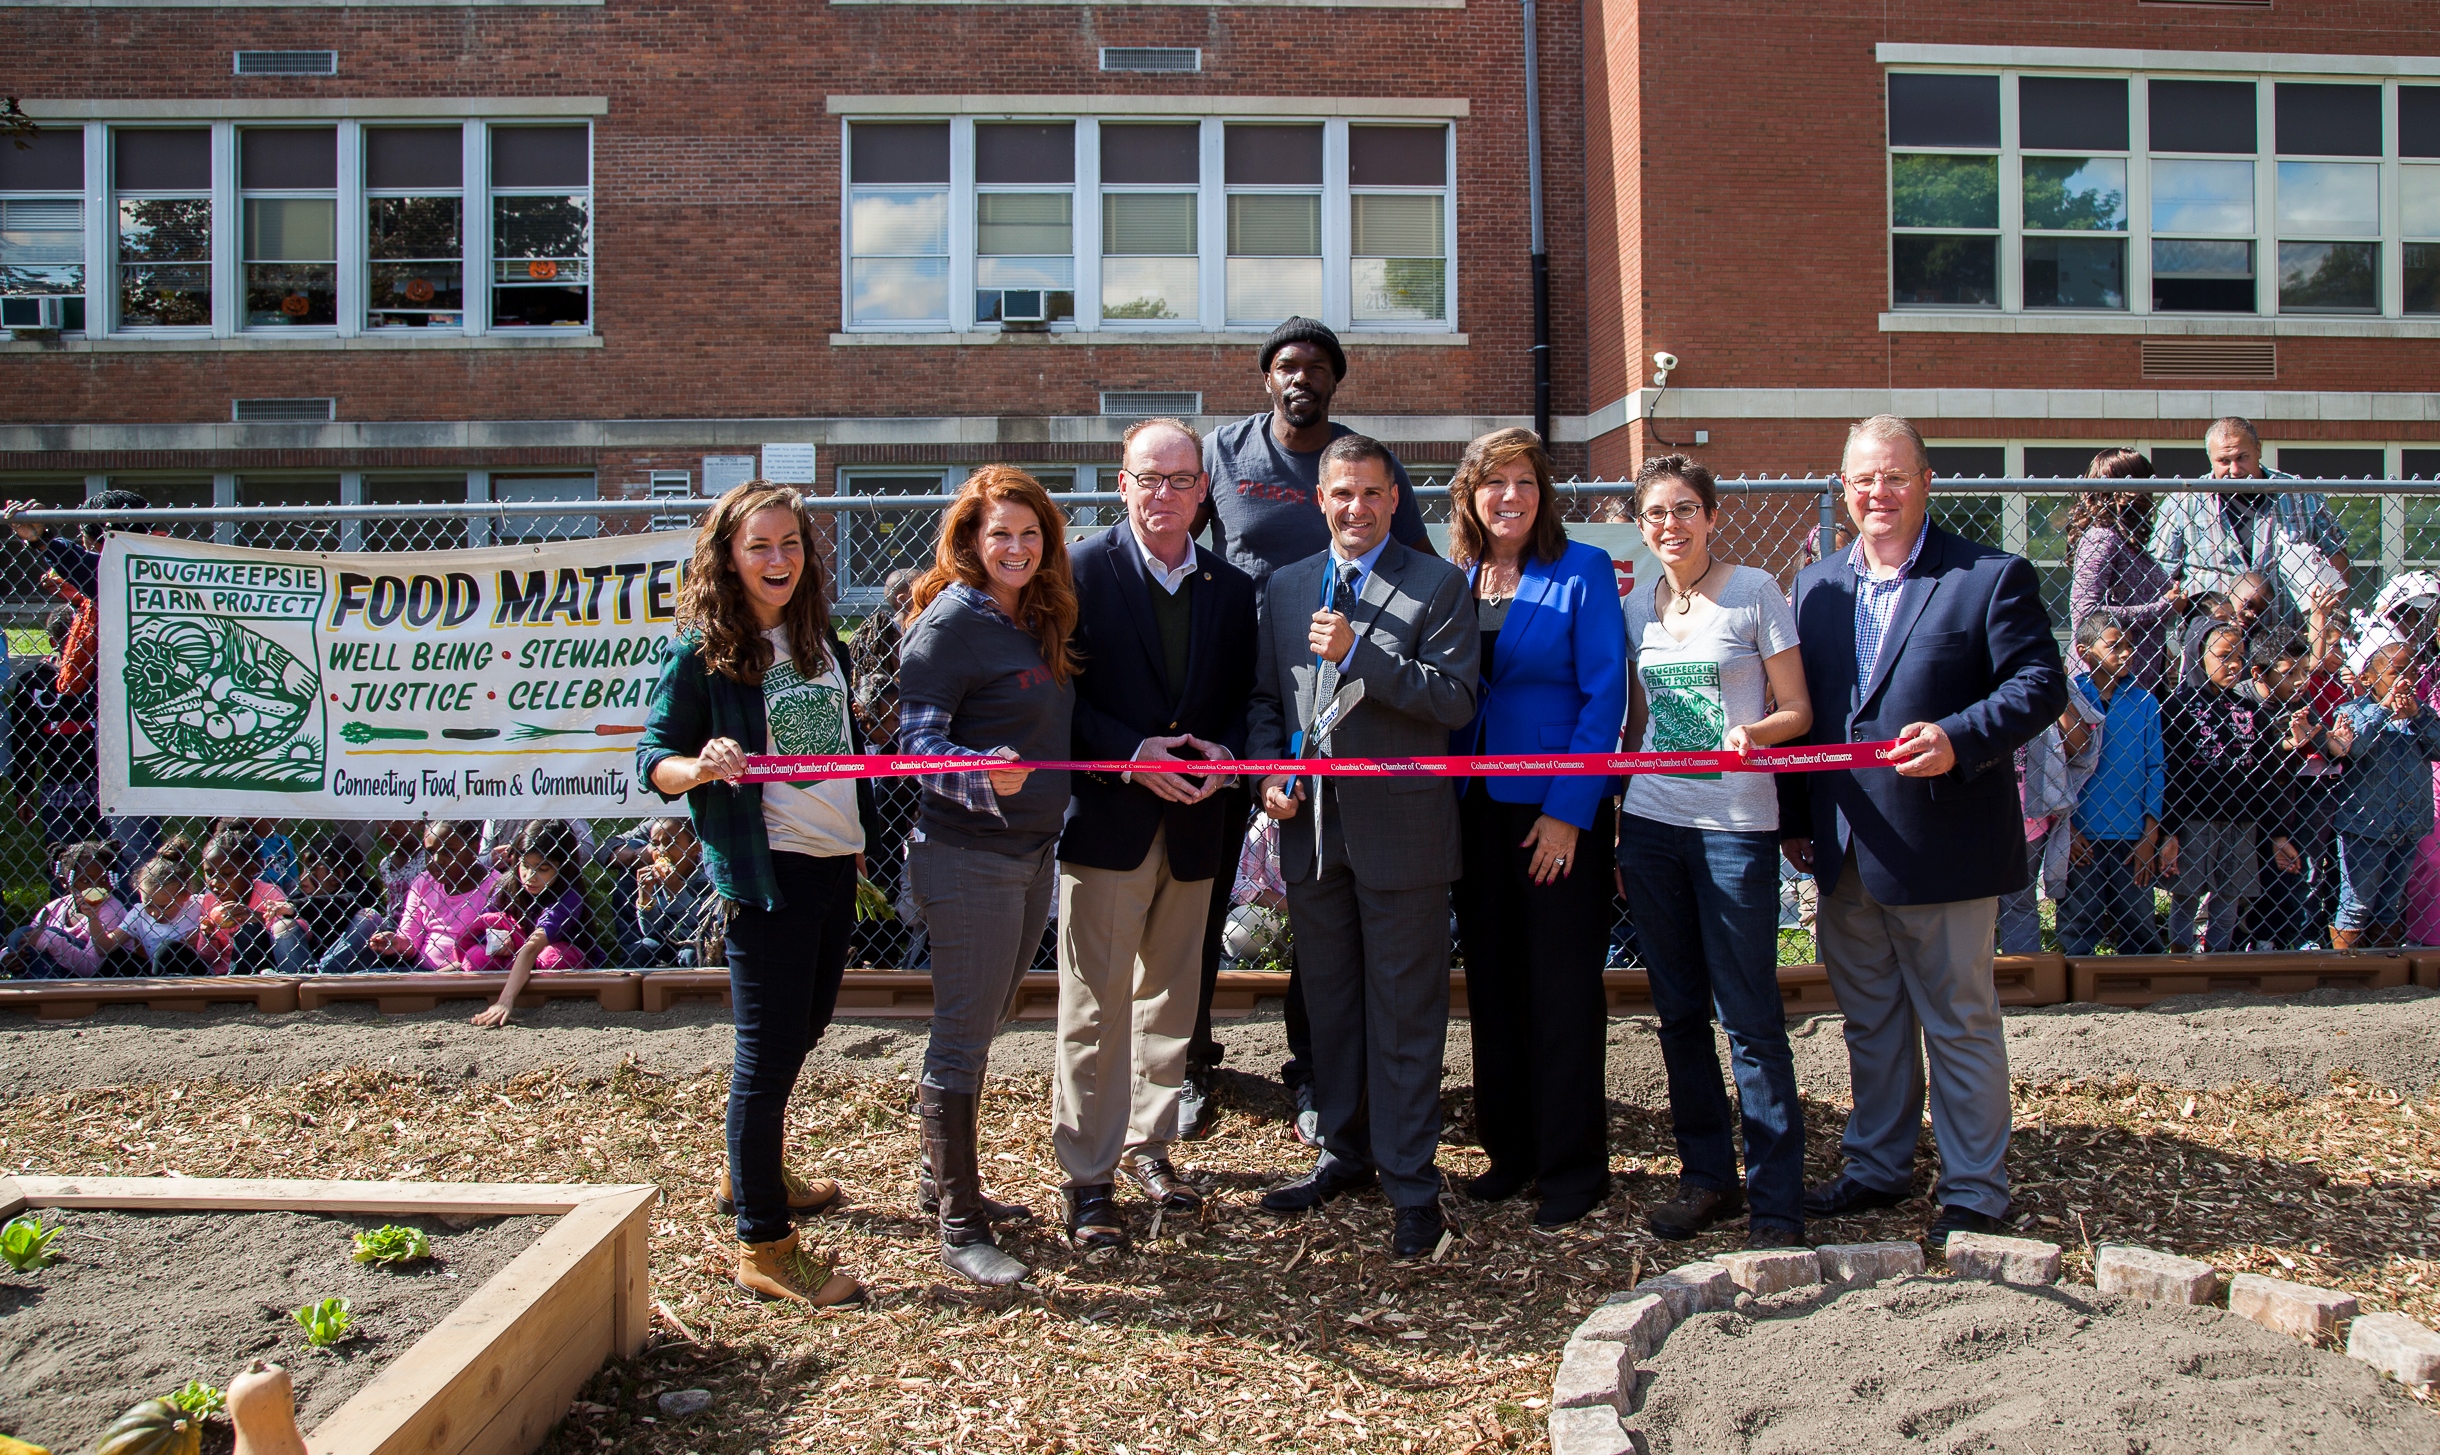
(169, 913)
(672, 891)
(2389, 742)
(76, 935)
(538, 918)
(2229, 788)
(443, 901)
(249, 925)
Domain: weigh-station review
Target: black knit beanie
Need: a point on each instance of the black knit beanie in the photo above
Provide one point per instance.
(1301, 330)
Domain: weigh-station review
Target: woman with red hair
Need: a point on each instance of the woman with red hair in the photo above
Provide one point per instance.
(984, 672)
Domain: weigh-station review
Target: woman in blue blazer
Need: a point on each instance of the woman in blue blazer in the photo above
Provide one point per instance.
(1533, 909)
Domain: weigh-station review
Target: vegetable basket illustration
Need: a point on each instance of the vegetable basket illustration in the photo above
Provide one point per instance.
(218, 704)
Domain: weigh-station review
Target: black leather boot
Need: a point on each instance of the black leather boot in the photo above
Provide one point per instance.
(965, 1227)
(927, 1193)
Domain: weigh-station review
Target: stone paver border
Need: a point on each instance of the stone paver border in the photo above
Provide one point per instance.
(1598, 1387)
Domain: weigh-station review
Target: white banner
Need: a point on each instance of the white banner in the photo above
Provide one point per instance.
(502, 683)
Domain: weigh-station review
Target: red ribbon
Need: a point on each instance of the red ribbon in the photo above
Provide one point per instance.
(769, 768)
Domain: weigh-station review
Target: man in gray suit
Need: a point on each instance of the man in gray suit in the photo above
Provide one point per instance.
(1368, 904)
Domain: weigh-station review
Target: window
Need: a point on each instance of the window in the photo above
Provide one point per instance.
(414, 227)
(1944, 199)
(304, 229)
(42, 221)
(1274, 179)
(1136, 223)
(2163, 194)
(1397, 180)
(1151, 180)
(162, 184)
(541, 226)
(2325, 204)
(2419, 194)
(1024, 222)
(2072, 131)
(898, 222)
(290, 177)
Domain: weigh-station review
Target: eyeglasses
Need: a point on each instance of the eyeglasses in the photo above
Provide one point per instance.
(1165, 484)
(1661, 515)
(1885, 480)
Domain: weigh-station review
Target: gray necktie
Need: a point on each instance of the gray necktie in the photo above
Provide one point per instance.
(1326, 677)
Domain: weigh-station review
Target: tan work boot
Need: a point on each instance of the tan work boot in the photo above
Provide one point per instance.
(2346, 939)
(783, 1269)
(805, 1196)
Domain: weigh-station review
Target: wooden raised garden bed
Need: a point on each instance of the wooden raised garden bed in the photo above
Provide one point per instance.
(494, 1375)
(59, 1000)
(401, 994)
(2138, 980)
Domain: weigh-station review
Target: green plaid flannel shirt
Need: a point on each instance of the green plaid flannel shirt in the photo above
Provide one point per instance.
(692, 705)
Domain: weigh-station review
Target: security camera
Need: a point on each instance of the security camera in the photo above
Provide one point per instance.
(1662, 363)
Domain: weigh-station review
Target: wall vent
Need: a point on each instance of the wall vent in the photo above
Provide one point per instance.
(1151, 58)
(283, 411)
(2198, 358)
(288, 63)
(1148, 403)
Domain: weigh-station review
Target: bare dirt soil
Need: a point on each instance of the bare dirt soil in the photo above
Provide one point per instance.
(140, 1303)
(1966, 1366)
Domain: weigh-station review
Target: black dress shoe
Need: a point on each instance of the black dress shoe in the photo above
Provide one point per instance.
(1093, 1219)
(1497, 1185)
(1162, 1183)
(1558, 1209)
(1313, 1189)
(1196, 1114)
(1693, 1209)
(1843, 1196)
(1419, 1230)
(1955, 1219)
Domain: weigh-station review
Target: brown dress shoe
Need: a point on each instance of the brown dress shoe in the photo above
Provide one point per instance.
(784, 1270)
(1692, 1210)
(1162, 1183)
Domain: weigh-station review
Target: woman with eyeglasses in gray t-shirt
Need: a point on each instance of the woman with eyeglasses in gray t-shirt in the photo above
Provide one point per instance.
(1714, 665)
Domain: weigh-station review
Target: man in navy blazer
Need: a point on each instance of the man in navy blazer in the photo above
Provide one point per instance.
(1165, 638)
(1924, 637)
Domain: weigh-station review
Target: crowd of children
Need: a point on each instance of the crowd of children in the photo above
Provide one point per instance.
(2276, 795)
(252, 900)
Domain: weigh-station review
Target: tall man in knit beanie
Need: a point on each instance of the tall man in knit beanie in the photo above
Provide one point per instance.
(1265, 513)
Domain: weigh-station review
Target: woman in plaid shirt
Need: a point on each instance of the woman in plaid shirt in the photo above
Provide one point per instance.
(758, 668)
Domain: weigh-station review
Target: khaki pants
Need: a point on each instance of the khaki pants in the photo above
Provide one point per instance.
(1130, 966)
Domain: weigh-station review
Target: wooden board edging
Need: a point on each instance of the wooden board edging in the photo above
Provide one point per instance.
(494, 1376)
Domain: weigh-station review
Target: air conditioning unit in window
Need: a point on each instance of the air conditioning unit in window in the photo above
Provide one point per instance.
(32, 311)
(1024, 305)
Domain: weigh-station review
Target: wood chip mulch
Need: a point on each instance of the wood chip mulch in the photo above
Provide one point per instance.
(1235, 1331)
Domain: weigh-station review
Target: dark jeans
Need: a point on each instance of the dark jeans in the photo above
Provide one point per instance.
(1707, 909)
(2105, 903)
(1533, 994)
(1203, 1052)
(2374, 873)
(784, 968)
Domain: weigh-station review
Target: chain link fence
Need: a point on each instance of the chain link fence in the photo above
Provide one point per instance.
(2263, 804)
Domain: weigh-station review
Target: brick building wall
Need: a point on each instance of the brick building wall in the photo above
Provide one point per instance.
(717, 193)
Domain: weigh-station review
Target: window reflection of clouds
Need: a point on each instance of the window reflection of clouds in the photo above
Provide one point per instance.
(2076, 193)
(901, 222)
(2194, 196)
(2330, 197)
(901, 288)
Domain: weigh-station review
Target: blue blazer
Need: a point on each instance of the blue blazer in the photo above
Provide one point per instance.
(1969, 647)
(1124, 695)
(1558, 681)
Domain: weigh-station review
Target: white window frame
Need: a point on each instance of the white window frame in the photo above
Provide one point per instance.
(2265, 159)
(1211, 230)
(355, 233)
(228, 237)
(592, 227)
(89, 215)
(336, 194)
